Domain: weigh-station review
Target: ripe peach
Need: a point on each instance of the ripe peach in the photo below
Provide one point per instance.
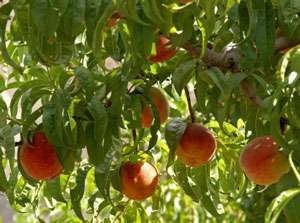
(197, 146)
(262, 162)
(163, 51)
(160, 102)
(138, 180)
(114, 19)
(39, 160)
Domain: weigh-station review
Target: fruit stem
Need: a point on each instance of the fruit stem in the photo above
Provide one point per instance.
(133, 131)
(188, 98)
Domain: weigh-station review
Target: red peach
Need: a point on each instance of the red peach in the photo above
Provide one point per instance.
(160, 102)
(197, 146)
(262, 162)
(39, 160)
(163, 51)
(138, 180)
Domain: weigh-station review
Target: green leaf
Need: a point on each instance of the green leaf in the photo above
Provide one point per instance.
(53, 189)
(201, 178)
(94, 146)
(275, 123)
(264, 32)
(215, 76)
(3, 180)
(77, 192)
(277, 205)
(5, 11)
(86, 80)
(182, 179)
(73, 20)
(45, 16)
(116, 179)
(98, 112)
(183, 74)
(130, 12)
(173, 133)
(102, 173)
(7, 141)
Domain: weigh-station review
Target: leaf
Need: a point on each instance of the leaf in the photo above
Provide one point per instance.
(182, 179)
(53, 189)
(173, 133)
(45, 17)
(289, 7)
(73, 20)
(183, 74)
(200, 177)
(217, 77)
(277, 205)
(7, 141)
(233, 81)
(116, 179)
(102, 172)
(131, 12)
(3, 180)
(94, 148)
(264, 32)
(77, 192)
(101, 23)
(52, 123)
(22, 89)
(275, 123)
(86, 80)
(5, 11)
(98, 112)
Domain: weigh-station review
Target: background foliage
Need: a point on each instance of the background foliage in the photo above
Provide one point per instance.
(57, 50)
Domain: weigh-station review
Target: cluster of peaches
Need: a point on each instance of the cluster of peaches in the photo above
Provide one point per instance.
(261, 160)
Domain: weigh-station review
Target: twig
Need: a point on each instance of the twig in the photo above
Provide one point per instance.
(187, 93)
(230, 58)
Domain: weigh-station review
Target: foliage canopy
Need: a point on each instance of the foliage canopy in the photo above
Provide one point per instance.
(83, 78)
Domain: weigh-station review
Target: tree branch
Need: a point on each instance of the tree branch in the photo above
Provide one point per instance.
(230, 58)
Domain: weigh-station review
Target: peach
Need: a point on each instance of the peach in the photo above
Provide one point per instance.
(160, 102)
(262, 162)
(197, 146)
(138, 180)
(39, 160)
(163, 51)
(114, 19)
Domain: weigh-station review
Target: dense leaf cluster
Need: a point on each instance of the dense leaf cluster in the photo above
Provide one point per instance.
(55, 55)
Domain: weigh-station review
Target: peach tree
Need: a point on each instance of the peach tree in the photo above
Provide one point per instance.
(150, 110)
